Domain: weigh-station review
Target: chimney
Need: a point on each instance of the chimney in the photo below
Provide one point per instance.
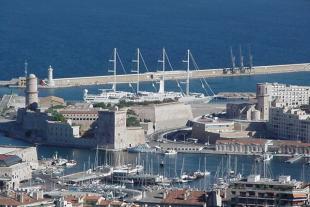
(186, 194)
(38, 195)
(20, 197)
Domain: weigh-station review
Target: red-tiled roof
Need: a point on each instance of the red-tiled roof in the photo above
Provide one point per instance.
(242, 141)
(178, 197)
(78, 112)
(291, 143)
(5, 201)
(4, 156)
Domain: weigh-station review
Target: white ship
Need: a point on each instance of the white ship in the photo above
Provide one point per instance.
(162, 95)
(113, 96)
(108, 96)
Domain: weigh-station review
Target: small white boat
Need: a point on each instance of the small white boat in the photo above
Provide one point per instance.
(71, 163)
(200, 174)
(127, 181)
(170, 152)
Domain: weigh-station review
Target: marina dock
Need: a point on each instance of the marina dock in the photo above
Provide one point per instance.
(81, 177)
(169, 75)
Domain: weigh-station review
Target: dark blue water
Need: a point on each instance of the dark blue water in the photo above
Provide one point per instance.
(77, 36)
(223, 84)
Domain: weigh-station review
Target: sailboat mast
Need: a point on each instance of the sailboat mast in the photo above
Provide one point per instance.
(241, 58)
(250, 59)
(164, 63)
(26, 69)
(233, 60)
(137, 69)
(187, 79)
(114, 68)
(162, 81)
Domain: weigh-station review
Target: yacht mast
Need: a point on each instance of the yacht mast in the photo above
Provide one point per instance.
(26, 69)
(241, 58)
(187, 79)
(233, 60)
(250, 59)
(138, 69)
(162, 81)
(114, 68)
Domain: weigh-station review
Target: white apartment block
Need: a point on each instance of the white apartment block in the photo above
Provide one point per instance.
(289, 123)
(280, 95)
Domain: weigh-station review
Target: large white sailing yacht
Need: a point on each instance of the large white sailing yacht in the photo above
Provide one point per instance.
(162, 94)
(108, 96)
(147, 96)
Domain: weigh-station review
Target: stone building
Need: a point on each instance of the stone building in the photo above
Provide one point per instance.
(83, 117)
(291, 147)
(244, 111)
(27, 154)
(112, 132)
(165, 115)
(244, 146)
(13, 171)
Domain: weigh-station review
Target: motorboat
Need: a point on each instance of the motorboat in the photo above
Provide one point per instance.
(170, 152)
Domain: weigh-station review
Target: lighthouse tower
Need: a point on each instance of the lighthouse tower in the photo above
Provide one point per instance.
(50, 77)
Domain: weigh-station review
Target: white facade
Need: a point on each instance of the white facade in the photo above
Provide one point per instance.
(289, 123)
(15, 174)
(280, 95)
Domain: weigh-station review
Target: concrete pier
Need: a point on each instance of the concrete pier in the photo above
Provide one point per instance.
(177, 75)
(169, 75)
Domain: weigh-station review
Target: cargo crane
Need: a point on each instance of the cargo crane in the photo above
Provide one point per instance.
(233, 62)
(250, 60)
(241, 68)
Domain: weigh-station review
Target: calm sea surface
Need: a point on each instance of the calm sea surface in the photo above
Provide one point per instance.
(76, 37)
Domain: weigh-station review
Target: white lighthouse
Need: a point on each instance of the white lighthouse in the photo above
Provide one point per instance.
(50, 77)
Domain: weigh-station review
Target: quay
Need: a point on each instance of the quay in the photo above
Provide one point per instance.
(84, 176)
(155, 76)
(178, 75)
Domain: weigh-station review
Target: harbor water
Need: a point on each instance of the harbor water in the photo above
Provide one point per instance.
(173, 164)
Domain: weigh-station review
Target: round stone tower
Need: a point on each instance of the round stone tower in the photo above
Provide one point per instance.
(263, 104)
(32, 99)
